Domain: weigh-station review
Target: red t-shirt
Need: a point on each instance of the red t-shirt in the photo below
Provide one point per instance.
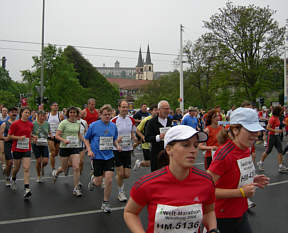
(168, 198)
(21, 128)
(212, 138)
(274, 123)
(91, 116)
(225, 165)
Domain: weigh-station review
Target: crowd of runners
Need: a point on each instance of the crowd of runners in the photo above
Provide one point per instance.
(169, 141)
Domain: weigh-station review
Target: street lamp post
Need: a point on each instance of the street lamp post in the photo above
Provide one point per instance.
(42, 56)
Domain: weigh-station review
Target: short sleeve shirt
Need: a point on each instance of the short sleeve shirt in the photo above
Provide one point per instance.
(69, 129)
(161, 189)
(274, 123)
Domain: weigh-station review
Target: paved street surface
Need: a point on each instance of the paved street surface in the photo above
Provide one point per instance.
(53, 209)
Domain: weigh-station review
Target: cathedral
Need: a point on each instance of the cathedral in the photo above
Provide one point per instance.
(144, 69)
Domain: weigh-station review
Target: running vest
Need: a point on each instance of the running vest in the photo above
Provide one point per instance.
(91, 117)
(54, 121)
(7, 126)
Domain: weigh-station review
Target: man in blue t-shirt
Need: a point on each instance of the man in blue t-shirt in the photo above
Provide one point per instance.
(191, 118)
(99, 140)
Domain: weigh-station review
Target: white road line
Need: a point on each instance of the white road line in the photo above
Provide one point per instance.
(277, 183)
(34, 178)
(23, 220)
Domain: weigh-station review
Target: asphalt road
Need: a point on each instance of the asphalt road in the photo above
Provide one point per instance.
(53, 209)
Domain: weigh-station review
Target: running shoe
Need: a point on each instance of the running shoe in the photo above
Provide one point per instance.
(54, 172)
(77, 192)
(8, 182)
(3, 166)
(251, 204)
(91, 183)
(106, 207)
(282, 169)
(122, 197)
(260, 166)
(39, 179)
(13, 184)
(137, 164)
(27, 193)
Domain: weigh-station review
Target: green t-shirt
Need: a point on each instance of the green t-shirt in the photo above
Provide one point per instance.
(141, 127)
(42, 132)
(70, 132)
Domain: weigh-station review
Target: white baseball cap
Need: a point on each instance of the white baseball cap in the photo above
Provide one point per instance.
(182, 133)
(246, 117)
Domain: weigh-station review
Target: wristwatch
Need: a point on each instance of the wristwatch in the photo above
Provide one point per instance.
(215, 230)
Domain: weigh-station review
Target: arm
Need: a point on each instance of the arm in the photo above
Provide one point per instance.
(58, 137)
(273, 130)
(87, 144)
(209, 217)
(249, 189)
(131, 216)
(2, 132)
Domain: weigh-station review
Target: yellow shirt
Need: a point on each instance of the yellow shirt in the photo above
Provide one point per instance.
(140, 127)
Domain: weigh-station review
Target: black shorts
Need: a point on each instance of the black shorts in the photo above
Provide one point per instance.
(207, 162)
(122, 158)
(229, 225)
(40, 151)
(100, 166)
(274, 140)
(146, 154)
(20, 155)
(54, 140)
(7, 150)
(66, 152)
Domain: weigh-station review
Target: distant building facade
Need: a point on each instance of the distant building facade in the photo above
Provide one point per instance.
(117, 71)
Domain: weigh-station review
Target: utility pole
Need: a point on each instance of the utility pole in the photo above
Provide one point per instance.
(285, 64)
(181, 100)
(42, 56)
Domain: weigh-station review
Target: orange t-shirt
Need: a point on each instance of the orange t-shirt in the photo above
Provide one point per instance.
(212, 138)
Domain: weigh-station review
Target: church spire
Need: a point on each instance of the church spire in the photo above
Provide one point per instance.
(140, 61)
(148, 57)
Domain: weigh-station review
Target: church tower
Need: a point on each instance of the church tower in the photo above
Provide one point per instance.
(139, 67)
(148, 66)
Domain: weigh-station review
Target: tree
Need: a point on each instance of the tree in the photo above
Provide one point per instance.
(5, 80)
(8, 99)
(60, 79)
(248, 39)
(95, 84)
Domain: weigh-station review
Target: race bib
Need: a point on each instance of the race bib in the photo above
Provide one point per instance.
(106, 143)
(277, 128)
(164, 129)
(247, 171)
(53, 128)
(180, 219)
(73, 142)
(126, 141)
(23, 144)
(262, 123)
(42, 142)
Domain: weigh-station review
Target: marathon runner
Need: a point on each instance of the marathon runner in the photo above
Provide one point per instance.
(126, 135)
(99, 141)
(90, 114)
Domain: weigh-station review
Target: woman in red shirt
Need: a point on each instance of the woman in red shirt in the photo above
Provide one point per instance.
(20, 132)
(179, 196)
(212, 129)
(233, 172)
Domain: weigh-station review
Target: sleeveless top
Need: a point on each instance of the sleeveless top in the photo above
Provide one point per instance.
(91, 117)
(54, 121)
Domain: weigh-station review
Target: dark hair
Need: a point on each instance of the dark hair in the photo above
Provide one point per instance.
(153, 106)
(22, 110)
(41, 112)
(53, 103)
(210, 115)
(225, 134)
(277, 111)
(121, 101)
(70, 109)
(143, 104)
(163, 157)
(246, 104)
(13, 109)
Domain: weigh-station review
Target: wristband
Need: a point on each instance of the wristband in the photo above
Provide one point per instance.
(242, 192)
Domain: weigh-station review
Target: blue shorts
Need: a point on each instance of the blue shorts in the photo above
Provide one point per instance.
(40, 151)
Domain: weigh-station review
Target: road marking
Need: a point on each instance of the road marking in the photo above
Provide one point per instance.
(34, 178)
(277, 183)
(23, 220)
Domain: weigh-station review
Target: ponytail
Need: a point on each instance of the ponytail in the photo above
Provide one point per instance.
(163, 159)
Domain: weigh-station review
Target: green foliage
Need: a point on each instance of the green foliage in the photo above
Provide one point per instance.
(8, 99)
(97, 85)
(60, 79)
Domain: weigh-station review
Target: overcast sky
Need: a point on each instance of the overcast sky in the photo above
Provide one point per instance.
(126, 24)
